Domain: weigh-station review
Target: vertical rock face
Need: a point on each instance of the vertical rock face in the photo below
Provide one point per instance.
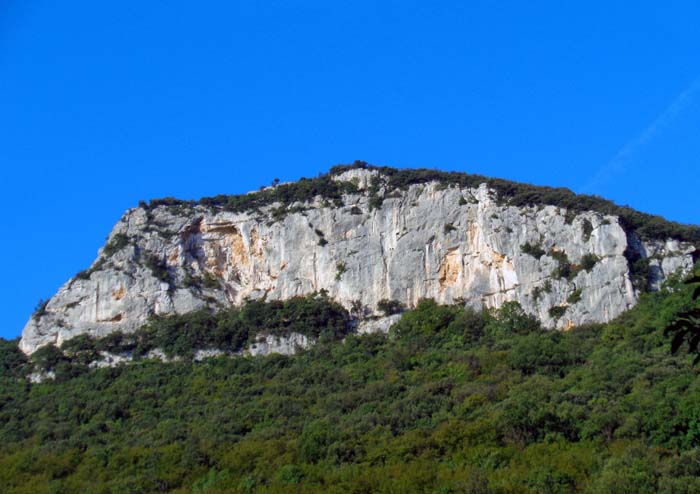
(427, 240)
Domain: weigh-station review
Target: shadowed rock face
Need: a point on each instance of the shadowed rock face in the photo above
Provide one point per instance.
(429, 241)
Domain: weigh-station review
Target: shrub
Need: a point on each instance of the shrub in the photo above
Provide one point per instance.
(448, 228)
(575, 296)
(40, 308)
(340, 268)
(510, 318)
(564, 269)
(157, 267)
(210, 281)
(48, 357)
(86, 273)
(557, 311)
(390, 307)
(375, 202)
(117, 243)
(520, 194)
(588, 261)
(535, 250)
(587, 229)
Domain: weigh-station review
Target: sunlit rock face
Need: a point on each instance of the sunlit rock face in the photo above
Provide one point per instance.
(427, 241)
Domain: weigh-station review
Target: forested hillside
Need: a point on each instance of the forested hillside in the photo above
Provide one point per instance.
(451, 401)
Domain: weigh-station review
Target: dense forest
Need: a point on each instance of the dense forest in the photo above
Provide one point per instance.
(450, 401)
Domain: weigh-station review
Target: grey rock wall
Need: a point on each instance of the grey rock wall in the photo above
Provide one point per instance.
(429, 241)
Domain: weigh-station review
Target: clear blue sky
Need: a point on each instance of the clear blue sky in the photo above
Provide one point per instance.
(106, 103)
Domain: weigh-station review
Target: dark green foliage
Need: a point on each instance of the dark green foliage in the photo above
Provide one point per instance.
(538, 291)
(587, 229)
(12, 361)
(305, 190)
(557, 311)
(390, 307)
(158, 267)
(315, 440)
(641, 273)
(40, 308)
(117, 243)
(340, 268)
(375, 199)
(511, 193)
(432, 324)
(588, 261)
(375, 202)
(564, 268)
(448, 228)
(520, 194)
(462, 201)
(452, 401)
(639, 269)
(210, 281)
(510, 318)
(86, 273)
(48, 357)
(535, 250)
(230, 330)
(552, 353)
(686, 325)
(575, 296)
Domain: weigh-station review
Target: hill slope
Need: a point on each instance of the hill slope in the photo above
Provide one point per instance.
(451, 401)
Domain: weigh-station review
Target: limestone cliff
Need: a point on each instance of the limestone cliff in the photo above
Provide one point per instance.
(445, 241)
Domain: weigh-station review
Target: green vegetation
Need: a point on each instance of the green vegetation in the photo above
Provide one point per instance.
(449, 228)
(520, 194)
(340, 268)
(535, 250)
(321, 236)
(40, 308)
(557, 311)
(305, 190)
(639, 269)
(539, 290)
(587, 229)
(575, 296)
(210, 281)
(390, 307)
(86, 273)
(564, 268)
(512, 193)
(453, 401)
(686, 325)
(117, 243)
(588, 261)
(158, 267)
(181, 336)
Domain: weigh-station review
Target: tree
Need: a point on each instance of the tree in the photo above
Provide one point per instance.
(686, 326)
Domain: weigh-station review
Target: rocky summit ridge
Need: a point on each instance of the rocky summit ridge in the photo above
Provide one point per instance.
(367, 236)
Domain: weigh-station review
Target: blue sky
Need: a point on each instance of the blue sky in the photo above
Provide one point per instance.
(106, 103)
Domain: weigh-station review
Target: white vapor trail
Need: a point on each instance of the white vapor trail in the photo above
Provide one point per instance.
(625, 155)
